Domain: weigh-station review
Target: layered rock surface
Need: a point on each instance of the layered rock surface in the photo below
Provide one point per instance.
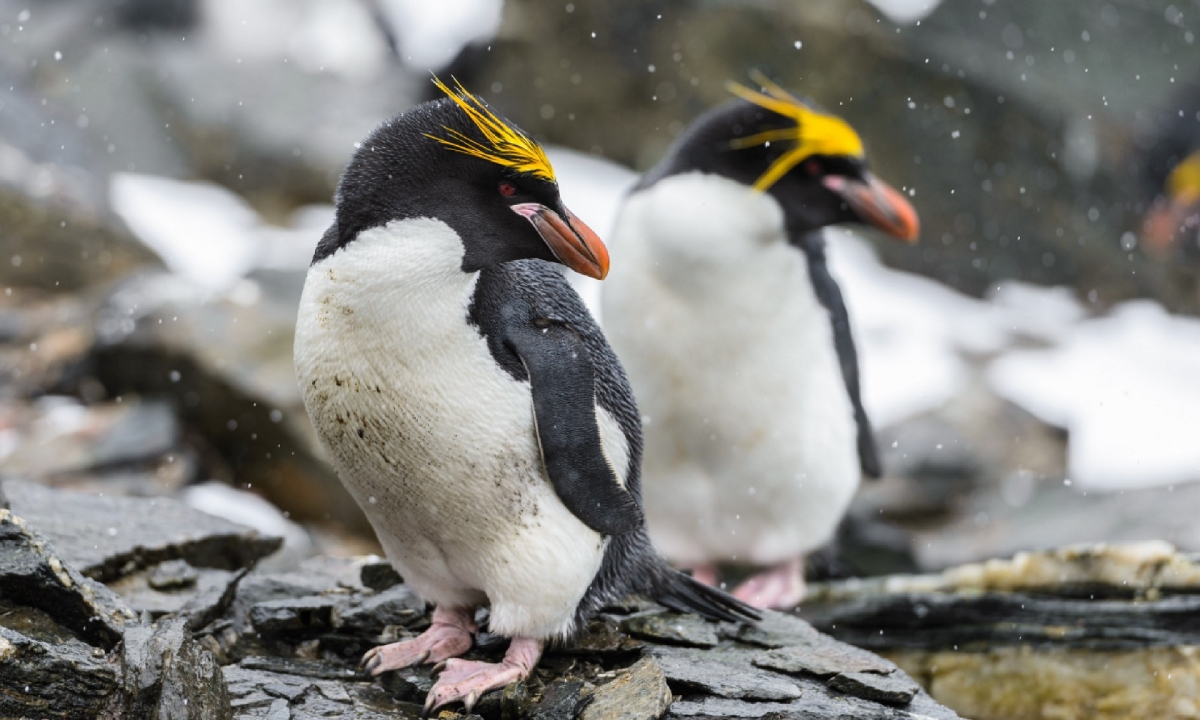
(186, 629)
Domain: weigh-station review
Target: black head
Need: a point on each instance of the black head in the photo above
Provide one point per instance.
(436, 161)
(811, 163)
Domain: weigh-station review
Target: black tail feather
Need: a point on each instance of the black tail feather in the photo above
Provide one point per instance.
(680, 592)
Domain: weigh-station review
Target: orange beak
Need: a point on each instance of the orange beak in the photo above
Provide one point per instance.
(571, 241)
(878, 204)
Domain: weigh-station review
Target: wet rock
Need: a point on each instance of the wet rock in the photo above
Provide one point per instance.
(602, 639)
(398, 605)
(108, 537)
(380, 575)
(896, 688)
(673, 629)
(562, 700)
(717, 707)
(54, 676)
(169, 675)
(33, 574)
(199, 594)
(776, 630)
(725, 673)
(823, 658)
(293, 615)
(638, 693)
(172, 575)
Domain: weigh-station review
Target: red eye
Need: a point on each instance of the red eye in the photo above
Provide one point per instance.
(507, 189)
(812, 167)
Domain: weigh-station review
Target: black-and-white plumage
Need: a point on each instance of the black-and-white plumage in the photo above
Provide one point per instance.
(737, 340)
(467, 399)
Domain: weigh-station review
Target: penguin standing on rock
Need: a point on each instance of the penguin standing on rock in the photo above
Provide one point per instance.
(468, 400)
(736, 339)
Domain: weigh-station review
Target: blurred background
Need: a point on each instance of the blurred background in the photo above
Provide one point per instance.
(167, 166)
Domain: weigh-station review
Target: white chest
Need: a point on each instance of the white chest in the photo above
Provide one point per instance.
(750, 445)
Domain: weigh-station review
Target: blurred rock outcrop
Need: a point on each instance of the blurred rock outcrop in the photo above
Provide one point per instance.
(1082, 632)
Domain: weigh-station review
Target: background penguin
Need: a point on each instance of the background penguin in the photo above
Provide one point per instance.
(467, 399)
(737, 341)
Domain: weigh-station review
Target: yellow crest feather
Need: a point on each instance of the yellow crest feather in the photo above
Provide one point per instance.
(1184, 181)
(815, 133)
(506, 145)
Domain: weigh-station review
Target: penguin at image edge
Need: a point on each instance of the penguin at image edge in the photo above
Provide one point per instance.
(736, 338)
(469, 402)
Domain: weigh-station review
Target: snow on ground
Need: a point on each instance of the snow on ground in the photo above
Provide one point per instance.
(209, 235)
(1126, 387)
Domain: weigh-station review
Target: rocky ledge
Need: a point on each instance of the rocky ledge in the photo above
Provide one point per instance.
(1099, 631)
(116, 607)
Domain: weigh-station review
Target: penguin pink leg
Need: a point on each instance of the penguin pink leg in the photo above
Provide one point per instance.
(468, 680)
(780, 588)
(449, 635)
(704, 574)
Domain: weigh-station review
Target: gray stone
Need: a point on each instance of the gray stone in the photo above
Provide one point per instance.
(718, 707)
(776, 630)
(108, 537)
(562, 700)
(397, 605)
(638, 693)
(823, 657)
(172, 575)
(896, 688)
(673, 629)
(169, 675)
(54, 676)
(379, 575)
(34, 574)
(301, 668)
(726, 673)
(293, 615)
(207, 589)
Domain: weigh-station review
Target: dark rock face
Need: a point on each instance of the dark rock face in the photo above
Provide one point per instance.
(232, 644)
(108, 537)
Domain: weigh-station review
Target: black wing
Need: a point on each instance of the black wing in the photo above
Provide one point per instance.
(559, 367)
(830, 295)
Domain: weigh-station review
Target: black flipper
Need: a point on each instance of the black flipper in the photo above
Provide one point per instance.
(564, 402)
(830, 295)
(683, 594)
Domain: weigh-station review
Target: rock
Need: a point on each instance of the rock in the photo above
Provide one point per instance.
(776, 630)
(896, 688)
(1078, 632)
(398, 605)
(54, 675)
(823, 658)
(33, 574)
(172, 575)
(108, 537)
(725, 673)
(562, 700)
(638, 693)
(672, 628)
(717, 707)
(380, 575)
(293, 615)
(168, 675)
(204, 594)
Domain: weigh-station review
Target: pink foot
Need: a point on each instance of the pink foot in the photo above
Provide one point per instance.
(449, 635)
(468, 680)
(705, 574)
(780, 588)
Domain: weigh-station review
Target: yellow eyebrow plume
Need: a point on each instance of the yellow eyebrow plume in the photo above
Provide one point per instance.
(505, 145)
(815, 133)
(1184, 181)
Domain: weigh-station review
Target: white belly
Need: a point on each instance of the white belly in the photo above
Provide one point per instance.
(750, 435)
(432, 437)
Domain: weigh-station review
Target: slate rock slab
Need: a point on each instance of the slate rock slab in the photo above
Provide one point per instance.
(895, 688)
(108, 537)
(396, 605)
(638, 693)
(33, 574)
(673, 628)
(169, 675)
(54, 676)
(725, 673)
(823, 657)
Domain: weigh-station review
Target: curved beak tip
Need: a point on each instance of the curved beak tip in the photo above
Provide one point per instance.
(878, 204)
(570, 239)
